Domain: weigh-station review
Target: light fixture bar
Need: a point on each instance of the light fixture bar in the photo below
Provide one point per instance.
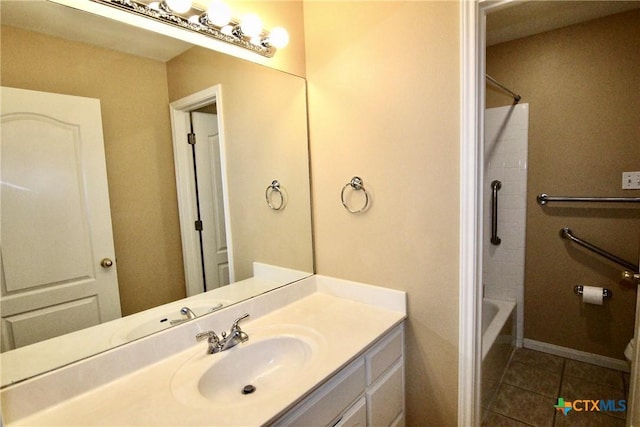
(165, 15)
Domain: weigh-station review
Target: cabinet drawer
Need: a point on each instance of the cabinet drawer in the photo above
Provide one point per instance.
(330, 399)
(384, 354)
(385, 399)
(356, 416)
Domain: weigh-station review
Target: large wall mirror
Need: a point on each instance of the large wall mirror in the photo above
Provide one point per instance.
(255, 133)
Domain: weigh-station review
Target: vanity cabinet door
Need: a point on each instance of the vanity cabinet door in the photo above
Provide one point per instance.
(368, 392)
(385, 399)
(356, 416)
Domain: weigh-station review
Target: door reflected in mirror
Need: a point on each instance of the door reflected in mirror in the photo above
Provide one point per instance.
(262, 137)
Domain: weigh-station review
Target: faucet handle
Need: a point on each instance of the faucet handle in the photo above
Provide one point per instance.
(235, 326)
(210, 335)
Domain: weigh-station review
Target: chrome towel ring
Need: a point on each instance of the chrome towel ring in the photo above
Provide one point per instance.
(357, 185)
(274, 188)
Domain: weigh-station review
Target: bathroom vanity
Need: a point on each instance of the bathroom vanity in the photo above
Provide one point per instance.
(320, 351)
(370, 391)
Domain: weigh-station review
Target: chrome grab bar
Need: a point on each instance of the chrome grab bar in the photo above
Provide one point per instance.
(543, 199)
(495, 186)
(566, 234)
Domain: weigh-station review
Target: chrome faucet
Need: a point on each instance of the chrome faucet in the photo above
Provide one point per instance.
(217, 344)
(186, 311)
(187, 314)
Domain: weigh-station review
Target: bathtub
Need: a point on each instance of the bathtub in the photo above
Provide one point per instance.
(496, 314)
(498, 343)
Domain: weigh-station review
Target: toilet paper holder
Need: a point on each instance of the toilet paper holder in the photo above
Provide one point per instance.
(606, 293)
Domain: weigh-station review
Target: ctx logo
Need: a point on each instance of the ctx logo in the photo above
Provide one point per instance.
(590, 405)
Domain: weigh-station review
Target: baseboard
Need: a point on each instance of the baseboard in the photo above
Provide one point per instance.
(581, 356)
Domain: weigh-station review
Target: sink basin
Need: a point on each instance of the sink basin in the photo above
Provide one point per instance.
(262, 368)
(143, 324)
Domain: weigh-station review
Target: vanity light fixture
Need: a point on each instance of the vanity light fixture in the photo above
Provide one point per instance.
(179, 6)
(216, 22)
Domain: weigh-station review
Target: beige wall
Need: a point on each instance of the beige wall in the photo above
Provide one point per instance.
(383, 83)
(284, 13)
(582, 85)
(137, 133)
(265, 135)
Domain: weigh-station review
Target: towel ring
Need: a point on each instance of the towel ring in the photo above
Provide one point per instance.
(275, 189)
(356, 184)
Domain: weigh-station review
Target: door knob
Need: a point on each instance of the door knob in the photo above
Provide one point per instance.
(106, 262)
(628, 275)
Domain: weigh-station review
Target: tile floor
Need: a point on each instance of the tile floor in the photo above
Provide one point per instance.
(534, 381)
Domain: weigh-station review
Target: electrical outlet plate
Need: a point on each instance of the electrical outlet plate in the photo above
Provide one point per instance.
(631, 180)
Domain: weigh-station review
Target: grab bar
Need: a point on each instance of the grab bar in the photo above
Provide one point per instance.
(495, 186)
(543, 199)
(566, 233)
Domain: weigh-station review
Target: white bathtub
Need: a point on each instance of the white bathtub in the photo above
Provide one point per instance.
(498, 342)
(496, 314)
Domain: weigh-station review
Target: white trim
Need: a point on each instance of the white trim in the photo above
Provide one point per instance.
(633, 409)
(180, 125)
(580, 356)
(470, 207)
(472, 102)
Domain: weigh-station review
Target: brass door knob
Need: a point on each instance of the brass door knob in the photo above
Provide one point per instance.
(628, 275)
(106, 263)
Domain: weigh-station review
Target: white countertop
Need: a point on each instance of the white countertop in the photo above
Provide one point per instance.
(348, 316)
(31, 360)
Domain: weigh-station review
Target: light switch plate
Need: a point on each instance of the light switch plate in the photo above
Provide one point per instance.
(630, 180)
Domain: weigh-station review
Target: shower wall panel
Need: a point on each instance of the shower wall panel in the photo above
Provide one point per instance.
(506, 147)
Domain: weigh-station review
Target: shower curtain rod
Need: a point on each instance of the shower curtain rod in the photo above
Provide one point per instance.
(516, 97)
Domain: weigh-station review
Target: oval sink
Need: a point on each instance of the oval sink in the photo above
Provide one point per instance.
(261, 368)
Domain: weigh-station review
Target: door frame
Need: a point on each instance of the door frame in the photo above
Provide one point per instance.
(181, 126)
(472, 99)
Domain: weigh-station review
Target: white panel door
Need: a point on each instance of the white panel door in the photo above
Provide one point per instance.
(214, 237)
(55, 220)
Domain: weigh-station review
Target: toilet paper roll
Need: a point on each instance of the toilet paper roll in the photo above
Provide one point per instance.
(592, 295)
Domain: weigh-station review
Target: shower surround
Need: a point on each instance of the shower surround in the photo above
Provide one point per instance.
(505, 159)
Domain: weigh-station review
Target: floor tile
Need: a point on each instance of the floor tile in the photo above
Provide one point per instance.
(593, 373)
(588, 419)
(524, 406)
(489, 389)
(574, 388)
(533, 378)
(496, 420)
(533, 382)
(539, 359)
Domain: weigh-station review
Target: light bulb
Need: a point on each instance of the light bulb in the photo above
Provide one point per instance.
(227, 30)
(179, 6)
(256, 41)
(279, 37)
(251, 25)
(154, 5)
(219, 13)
